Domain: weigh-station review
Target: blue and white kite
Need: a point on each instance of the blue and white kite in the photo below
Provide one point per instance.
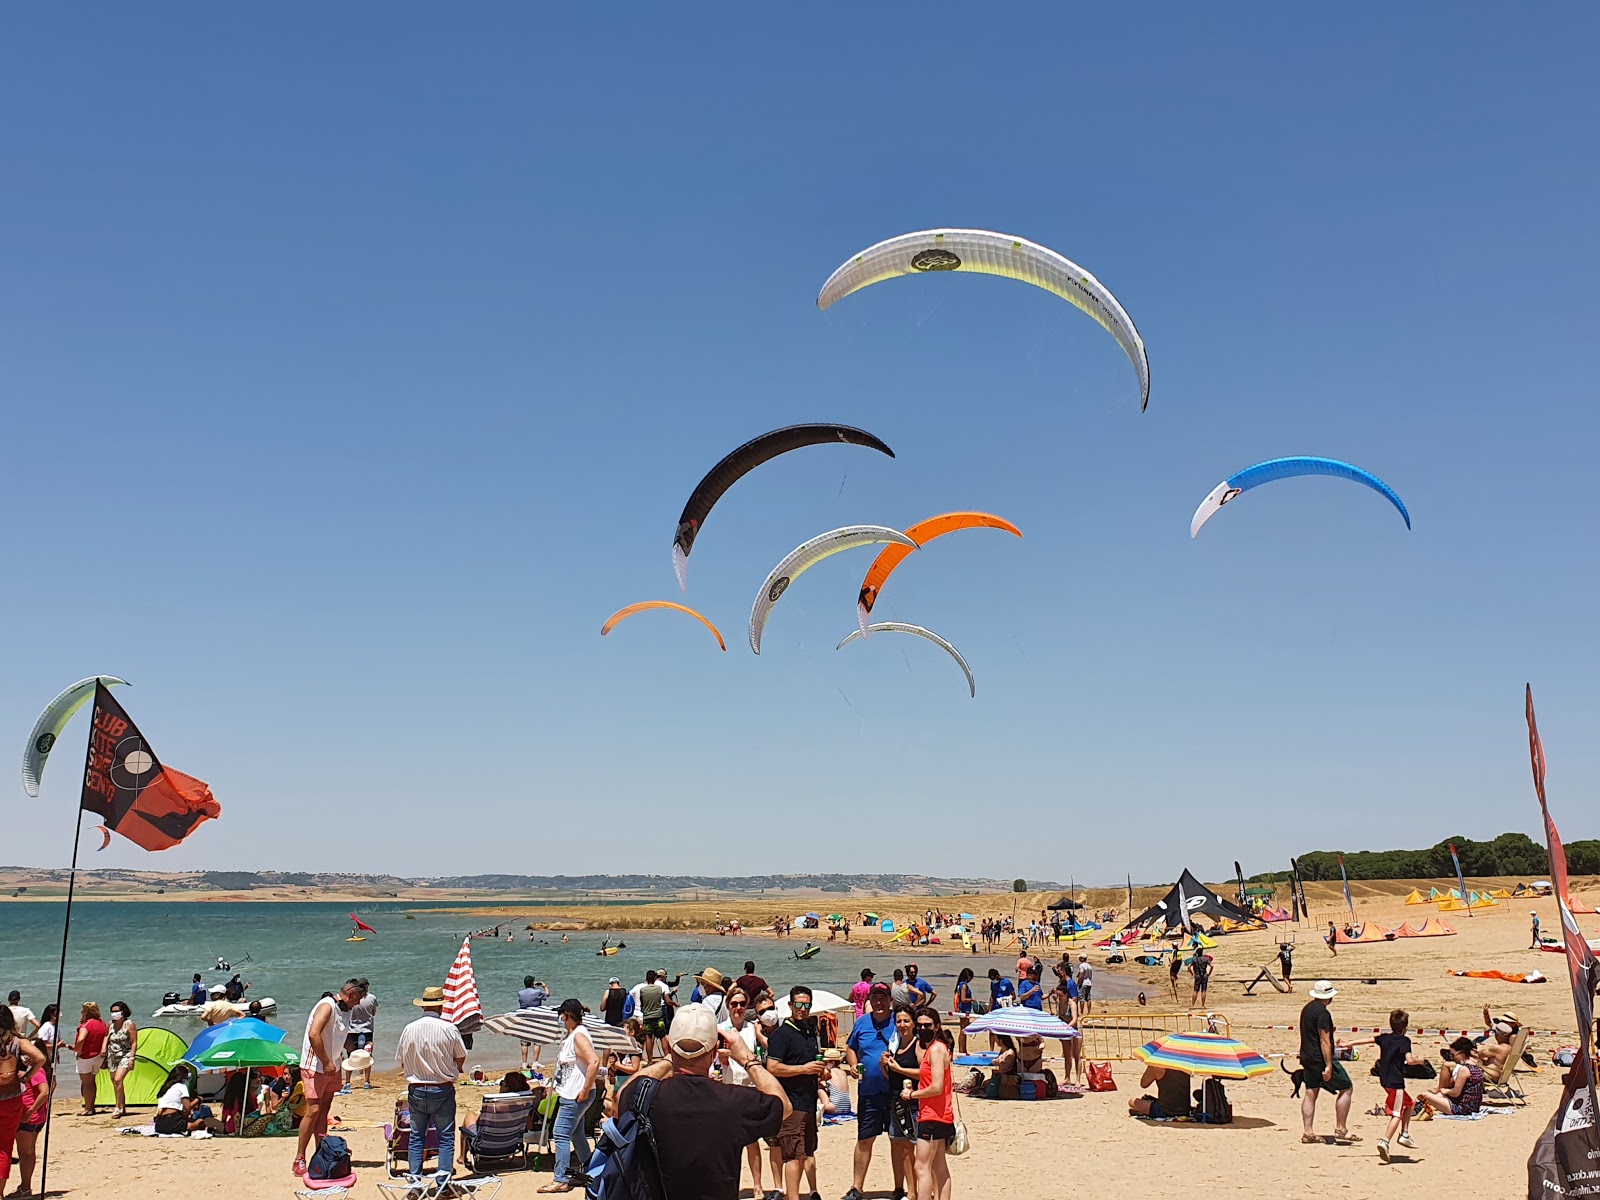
(1288, 468)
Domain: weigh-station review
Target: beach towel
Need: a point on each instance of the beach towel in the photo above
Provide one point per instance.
(150, 1131)
(1479, 1115)
(1508, 977)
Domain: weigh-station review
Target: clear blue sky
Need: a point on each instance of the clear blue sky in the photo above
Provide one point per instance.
(357, 359)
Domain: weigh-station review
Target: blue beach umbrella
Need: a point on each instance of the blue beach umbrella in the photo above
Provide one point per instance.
(234, 1030)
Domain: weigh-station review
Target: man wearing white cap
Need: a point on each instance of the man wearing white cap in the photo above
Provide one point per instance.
(700, 1125)
(1323, 1072)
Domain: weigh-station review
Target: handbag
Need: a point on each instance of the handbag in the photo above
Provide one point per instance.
(1100, 1079)
(960, 1142)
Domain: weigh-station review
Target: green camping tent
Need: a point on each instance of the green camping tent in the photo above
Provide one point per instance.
(159, 1050)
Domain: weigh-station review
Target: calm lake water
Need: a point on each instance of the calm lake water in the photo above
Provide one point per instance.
(137, 950)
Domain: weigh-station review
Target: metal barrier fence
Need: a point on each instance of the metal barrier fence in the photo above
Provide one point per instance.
(1116, 1037)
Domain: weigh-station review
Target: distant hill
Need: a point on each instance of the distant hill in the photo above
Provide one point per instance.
(631, 885)
(1509, 854)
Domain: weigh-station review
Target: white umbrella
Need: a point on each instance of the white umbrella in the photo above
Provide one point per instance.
(822, 1001)
(544, 1027)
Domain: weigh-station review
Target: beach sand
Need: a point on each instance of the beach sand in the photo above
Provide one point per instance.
(1086, 1145)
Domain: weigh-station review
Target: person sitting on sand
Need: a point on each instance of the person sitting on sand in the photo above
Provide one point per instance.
(1463, 1094)
(1171, 1098)
(177, 1111)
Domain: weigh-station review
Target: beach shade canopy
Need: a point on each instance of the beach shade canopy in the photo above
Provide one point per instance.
(543, 1027)
(1064, 903)
(240, 1053)
(1017, 1021)
(835, 916)
(822, 1001)
(812, 917)
(142, 1086)
(229, 1031)
(1198, 900)
(1201, 1054)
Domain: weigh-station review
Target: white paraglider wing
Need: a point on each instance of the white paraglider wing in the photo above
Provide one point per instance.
(919, 631)
(807, 555)
(988, 253)
(52, 721)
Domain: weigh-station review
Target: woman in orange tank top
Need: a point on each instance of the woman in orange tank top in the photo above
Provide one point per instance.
(936, 1113)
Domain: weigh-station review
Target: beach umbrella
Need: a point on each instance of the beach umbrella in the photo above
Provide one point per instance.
(1017, 1021)
(461, 1006)
(835, 916)
(812, 917)
(241, 1053)
(869, 916)
(543, 1027)
(1201, 1054)
(822, 1001)
(968, 917)
(232, 1031)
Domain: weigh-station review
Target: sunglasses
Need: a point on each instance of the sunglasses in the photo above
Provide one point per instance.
(800, 1004)
(737, 1004)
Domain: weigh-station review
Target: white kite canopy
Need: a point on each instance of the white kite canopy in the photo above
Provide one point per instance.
(52, 721)
(917, 631)
(988, 253)
(807, 555)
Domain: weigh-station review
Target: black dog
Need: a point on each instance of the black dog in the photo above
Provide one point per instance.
(1298, 1075)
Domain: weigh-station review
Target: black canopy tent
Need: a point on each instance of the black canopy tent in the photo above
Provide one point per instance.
(1198, 899)
(1065, 903)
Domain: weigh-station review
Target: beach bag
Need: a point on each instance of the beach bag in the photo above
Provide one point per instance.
(1100, 1078)
(627, 1006)
(1214, 1100)
(959, 1142)
(332, 1159)
(1421, 1070)
(624, 1165)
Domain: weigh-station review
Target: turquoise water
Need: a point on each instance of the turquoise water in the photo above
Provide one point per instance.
(137, 950)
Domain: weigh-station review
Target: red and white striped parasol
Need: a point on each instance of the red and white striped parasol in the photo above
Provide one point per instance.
(461, 1007)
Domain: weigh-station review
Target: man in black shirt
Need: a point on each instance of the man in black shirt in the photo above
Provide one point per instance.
(794, 1057)
(702, 1126)
(1323, 1074)
(613, 1002)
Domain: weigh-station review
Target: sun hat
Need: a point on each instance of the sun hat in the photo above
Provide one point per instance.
(1323, 990)
(711, 978)
(358, 1060)
(694, 1031)
(1509, 1018)
(432, 997)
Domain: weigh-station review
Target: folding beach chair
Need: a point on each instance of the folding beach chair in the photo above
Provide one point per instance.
(397, 1142)
(500, 1132)
(1505, 1090)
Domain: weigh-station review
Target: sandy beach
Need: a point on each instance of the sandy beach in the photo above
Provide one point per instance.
(1087, 1144)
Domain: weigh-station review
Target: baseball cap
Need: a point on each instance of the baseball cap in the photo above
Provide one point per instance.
(880, 989)
(693, 1032)
(614, 979)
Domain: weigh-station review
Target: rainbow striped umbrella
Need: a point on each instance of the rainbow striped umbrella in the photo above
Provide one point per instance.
(1202, 1054)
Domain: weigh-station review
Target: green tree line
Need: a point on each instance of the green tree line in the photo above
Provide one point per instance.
(1508, 854)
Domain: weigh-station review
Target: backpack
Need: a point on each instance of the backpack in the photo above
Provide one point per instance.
(627, 1006)
(332, 1159)
(1214, 1102)
(625, 1165)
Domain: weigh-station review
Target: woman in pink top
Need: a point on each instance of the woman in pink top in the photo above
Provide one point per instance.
(936, 1113)
(90, 1047)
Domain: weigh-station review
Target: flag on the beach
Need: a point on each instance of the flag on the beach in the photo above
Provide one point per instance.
(1348, 903)
(1294, 889)
(1562, 1163)
(1466, 896)
(461, 1006)
(1238, 872)
(125, 784)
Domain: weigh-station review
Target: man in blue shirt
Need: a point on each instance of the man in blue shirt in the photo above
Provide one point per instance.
(1030, 992)
(533, 995)
(197, 994)
(870, 1038)
(913, 980)
(1000, 989)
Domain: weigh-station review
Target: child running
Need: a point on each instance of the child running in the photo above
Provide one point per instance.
(1394, 1048)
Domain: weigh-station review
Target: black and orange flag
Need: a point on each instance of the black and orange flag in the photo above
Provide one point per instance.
(125, 784)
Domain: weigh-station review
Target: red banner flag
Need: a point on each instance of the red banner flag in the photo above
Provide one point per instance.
(125, 784)
(1564, 1158)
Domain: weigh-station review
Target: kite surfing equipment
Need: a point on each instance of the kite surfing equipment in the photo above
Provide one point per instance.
(987, 253)
(1345, 879)
(1189, 898)
(622, 614)
(919, 631)
(1432, 927)
(47, 729)
(1366, 931)
(1503, 976)
(807, 555)
(360, 927)
(1288, 468)
(743, 460)
(105, 836)
(1461, 879)
(921, 533)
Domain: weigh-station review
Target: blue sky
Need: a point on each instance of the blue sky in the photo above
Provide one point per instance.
(356, 362)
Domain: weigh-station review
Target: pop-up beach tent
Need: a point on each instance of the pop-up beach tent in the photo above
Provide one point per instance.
(1191, 896)
(159, 1051)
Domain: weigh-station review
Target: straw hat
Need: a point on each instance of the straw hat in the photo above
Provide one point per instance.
(711, 978)
(431, 998)
(1323, 990)
(359, 1060)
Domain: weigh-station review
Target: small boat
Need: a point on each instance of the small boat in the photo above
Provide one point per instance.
(268, 1007)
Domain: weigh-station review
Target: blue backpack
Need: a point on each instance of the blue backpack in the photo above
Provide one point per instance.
(624, 1165)
(627, 1006)
(332, 1159)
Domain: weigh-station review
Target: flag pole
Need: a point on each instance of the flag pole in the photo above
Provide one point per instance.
(61, 979)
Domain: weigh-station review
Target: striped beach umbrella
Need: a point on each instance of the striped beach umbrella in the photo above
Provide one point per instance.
(461, 1006)
(1202, 1054)
(1018, 1021)
(543, 1027)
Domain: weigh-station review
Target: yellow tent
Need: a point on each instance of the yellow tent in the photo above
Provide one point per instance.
(1416, 897)
(1454, 904)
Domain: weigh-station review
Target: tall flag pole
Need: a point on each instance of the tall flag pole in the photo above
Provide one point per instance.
(151, 805)
(1562, 1162)
(1466, 896)
(1130, 897)
(1349, 903)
